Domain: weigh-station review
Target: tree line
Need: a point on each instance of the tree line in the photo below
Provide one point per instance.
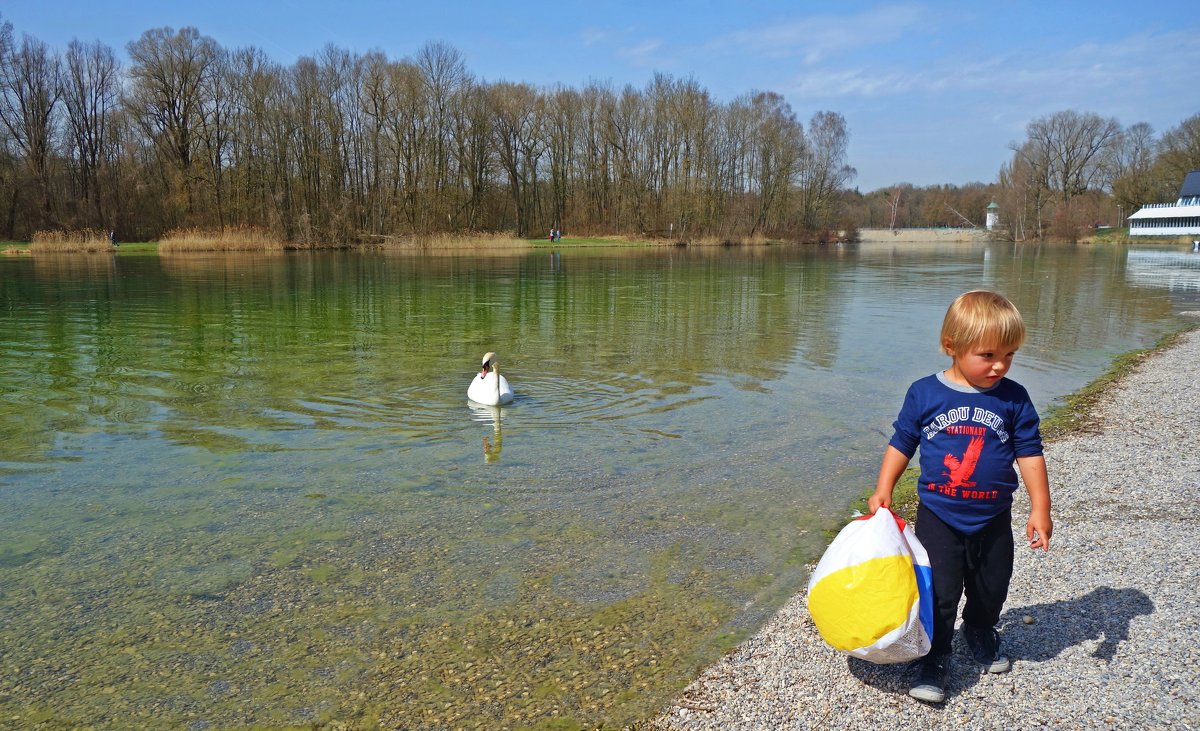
(905, 205)
(344, 146)
(1072, 171)
(1078, 169)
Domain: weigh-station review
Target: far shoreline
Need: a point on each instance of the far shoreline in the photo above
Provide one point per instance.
(507, 244)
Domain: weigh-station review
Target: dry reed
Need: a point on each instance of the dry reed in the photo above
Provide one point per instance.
(60, 241)
(467, 241)
(753, 240)
(234, 238)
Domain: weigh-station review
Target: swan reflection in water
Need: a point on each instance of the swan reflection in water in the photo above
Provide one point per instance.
(489, 414)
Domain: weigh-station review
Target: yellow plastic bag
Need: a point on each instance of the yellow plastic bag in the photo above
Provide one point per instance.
(871, 594)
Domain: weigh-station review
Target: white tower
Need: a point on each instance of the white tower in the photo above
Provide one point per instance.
(993, 216)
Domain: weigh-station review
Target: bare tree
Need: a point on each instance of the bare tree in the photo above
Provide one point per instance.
(1131, 161)
(561, 130)
(776, 151)
(444, 76)
(894, 206)
(407, 134)
(1179, 153)
(516, 115)
(1026, 183)
(91, 95)
(1065, 154)
(168, 80)
(694, 113)
(30, 87)
(625, 130)
(1074, 146)
(216, 133)
(473, 152)
(825, 172)
(260, 141)
(597, 174)
(377, 100)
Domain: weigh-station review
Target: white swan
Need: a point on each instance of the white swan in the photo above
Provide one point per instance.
(489, 387)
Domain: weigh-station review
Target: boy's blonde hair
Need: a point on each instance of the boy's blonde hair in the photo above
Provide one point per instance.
(981, 316)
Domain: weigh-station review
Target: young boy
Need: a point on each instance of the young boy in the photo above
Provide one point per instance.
(971, 423)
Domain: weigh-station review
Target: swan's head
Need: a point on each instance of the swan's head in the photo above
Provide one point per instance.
(489, 362)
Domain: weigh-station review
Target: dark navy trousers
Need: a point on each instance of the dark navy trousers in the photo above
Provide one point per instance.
(980, 564)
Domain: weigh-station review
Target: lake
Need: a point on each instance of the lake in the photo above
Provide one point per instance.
(248, 490)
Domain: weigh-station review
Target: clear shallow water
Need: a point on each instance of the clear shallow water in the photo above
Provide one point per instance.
(249, 490)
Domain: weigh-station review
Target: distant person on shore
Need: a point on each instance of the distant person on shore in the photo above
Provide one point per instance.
(112, 238)
(971, 424)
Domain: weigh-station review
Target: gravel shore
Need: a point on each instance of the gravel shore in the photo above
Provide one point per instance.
(1115, 637)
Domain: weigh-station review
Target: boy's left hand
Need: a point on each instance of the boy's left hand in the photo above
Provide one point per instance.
(1038, 530)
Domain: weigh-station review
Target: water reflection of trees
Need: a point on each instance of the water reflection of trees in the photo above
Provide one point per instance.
(1074, 307)
(303, 341)
(680, 317)
(1071, 296)
(676, 314)
(280, 342)
(70, 267)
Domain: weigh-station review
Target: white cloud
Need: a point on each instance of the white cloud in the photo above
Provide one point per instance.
(1085, 76)
(641, 53)
(815, 38)
(850, 82)
(593, 36)
(627, 44)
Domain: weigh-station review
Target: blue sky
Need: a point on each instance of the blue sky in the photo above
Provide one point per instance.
(932, 92)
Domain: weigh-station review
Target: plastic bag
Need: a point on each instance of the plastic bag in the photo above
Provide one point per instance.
(871, 594)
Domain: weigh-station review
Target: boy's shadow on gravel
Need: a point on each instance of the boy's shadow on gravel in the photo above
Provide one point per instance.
(1102, 614)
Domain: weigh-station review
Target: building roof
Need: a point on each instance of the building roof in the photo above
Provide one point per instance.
(1191, 185)
(1166, 211)
(1189, 189)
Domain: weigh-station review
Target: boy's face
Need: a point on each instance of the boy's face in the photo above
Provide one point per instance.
(981, 365)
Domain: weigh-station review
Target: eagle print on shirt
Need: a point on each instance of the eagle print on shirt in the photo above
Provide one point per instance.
(960, 471)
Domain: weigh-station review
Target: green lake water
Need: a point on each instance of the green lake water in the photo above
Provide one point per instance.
(249, 491)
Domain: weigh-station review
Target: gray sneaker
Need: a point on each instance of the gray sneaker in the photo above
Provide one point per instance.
(930, 685)
(985, 648)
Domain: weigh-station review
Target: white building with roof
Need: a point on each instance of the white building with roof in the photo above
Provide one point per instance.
(1181, 218)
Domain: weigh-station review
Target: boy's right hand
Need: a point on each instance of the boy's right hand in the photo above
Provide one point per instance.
(879, 500)
(893, 465)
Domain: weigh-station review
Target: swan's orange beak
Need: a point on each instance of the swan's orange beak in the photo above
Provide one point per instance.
(483, 373)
